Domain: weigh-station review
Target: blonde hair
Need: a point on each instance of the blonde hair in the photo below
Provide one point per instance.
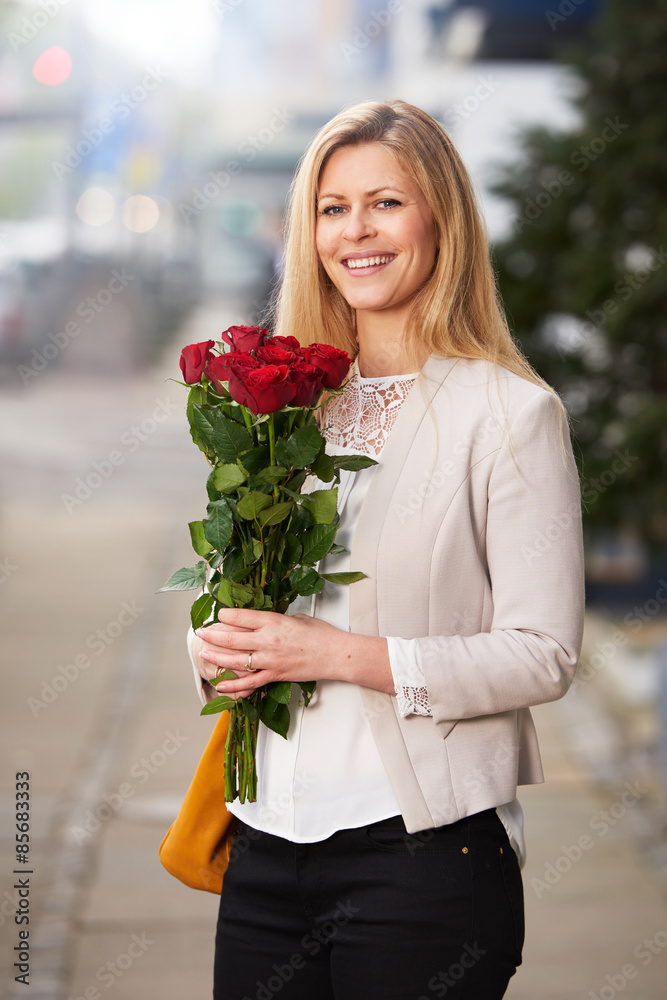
(458, 311)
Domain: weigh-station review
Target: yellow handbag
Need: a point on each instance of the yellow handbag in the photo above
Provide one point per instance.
(197, 845)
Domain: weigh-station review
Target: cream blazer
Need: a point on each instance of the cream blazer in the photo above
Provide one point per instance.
(470, 539)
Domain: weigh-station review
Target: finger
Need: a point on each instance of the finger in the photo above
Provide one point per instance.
(237, 689)
(223, 638)
(246, 617)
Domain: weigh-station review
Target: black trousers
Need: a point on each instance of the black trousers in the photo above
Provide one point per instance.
(372, 913)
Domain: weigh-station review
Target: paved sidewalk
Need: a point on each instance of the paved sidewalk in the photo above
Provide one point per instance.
(112, 752)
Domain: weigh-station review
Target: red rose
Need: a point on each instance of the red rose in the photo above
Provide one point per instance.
(264, 389)
(223, 366)
(333, 362)
(308, 381)
(245, 338)
(194, 358)
(287, 343)
(271, 355)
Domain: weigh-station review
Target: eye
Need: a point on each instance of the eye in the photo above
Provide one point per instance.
(390, 202)
(332, 210)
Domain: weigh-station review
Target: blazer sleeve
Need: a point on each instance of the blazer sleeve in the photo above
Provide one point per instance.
(534, 553)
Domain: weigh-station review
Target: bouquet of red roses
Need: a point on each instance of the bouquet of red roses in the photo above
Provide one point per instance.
(251, 411)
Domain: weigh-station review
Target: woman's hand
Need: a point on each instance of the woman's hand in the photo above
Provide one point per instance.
(289, 648)
(202, 645)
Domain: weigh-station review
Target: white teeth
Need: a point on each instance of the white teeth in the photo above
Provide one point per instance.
(368, 261)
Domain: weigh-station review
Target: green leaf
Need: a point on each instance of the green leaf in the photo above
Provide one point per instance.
(280, 691)
(224, 593)
(196, 394)
(227, 675)
(293, 550)
(323, 467)
(242, 594)
(344, 577)
(203, 419)
(254, 460)
(248, 708)
(303, 446)
(226, 478)
(353, 462)
(222, 704)
(219, 524)
(322, 504)
(276, 717)
(296, 481)
(275, 514)
(300, 520)
(270, 474)
(252, 503)
(257, 550)
(317, 541)
(230, 439)
(198, 539)
(307, 689)
(305, 580)
(211, 491)
(201, 610)
(337, 550)
(233, 562)
(188, 578)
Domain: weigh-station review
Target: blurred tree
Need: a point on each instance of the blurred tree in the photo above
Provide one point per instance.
(584, 272)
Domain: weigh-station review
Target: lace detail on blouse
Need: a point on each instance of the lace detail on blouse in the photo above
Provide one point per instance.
(362, 416)
(412, 700)
(360, 419)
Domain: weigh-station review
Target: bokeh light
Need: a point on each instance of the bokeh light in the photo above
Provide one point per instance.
(95, 206)
(140, 213)
(53, 66)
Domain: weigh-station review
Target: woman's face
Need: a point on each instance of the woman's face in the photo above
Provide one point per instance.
(375, 232)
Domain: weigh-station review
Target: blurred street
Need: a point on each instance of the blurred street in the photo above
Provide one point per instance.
(99, 479)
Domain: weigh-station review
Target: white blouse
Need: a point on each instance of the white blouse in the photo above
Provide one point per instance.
(328, 775)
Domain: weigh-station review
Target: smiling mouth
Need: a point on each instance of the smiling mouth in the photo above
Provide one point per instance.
(357, 263)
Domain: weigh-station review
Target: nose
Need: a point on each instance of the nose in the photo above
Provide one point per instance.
(359, 224)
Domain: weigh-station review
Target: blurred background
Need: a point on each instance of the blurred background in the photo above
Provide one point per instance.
(146, 151)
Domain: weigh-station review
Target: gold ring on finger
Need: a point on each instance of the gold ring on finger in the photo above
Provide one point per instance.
(249, 665)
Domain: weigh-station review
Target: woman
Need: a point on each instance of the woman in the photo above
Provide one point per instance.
(382, 856)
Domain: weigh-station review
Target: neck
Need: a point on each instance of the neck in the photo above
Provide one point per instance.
(382, 347)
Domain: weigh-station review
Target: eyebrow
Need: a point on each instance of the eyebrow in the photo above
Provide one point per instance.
(367, 194)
